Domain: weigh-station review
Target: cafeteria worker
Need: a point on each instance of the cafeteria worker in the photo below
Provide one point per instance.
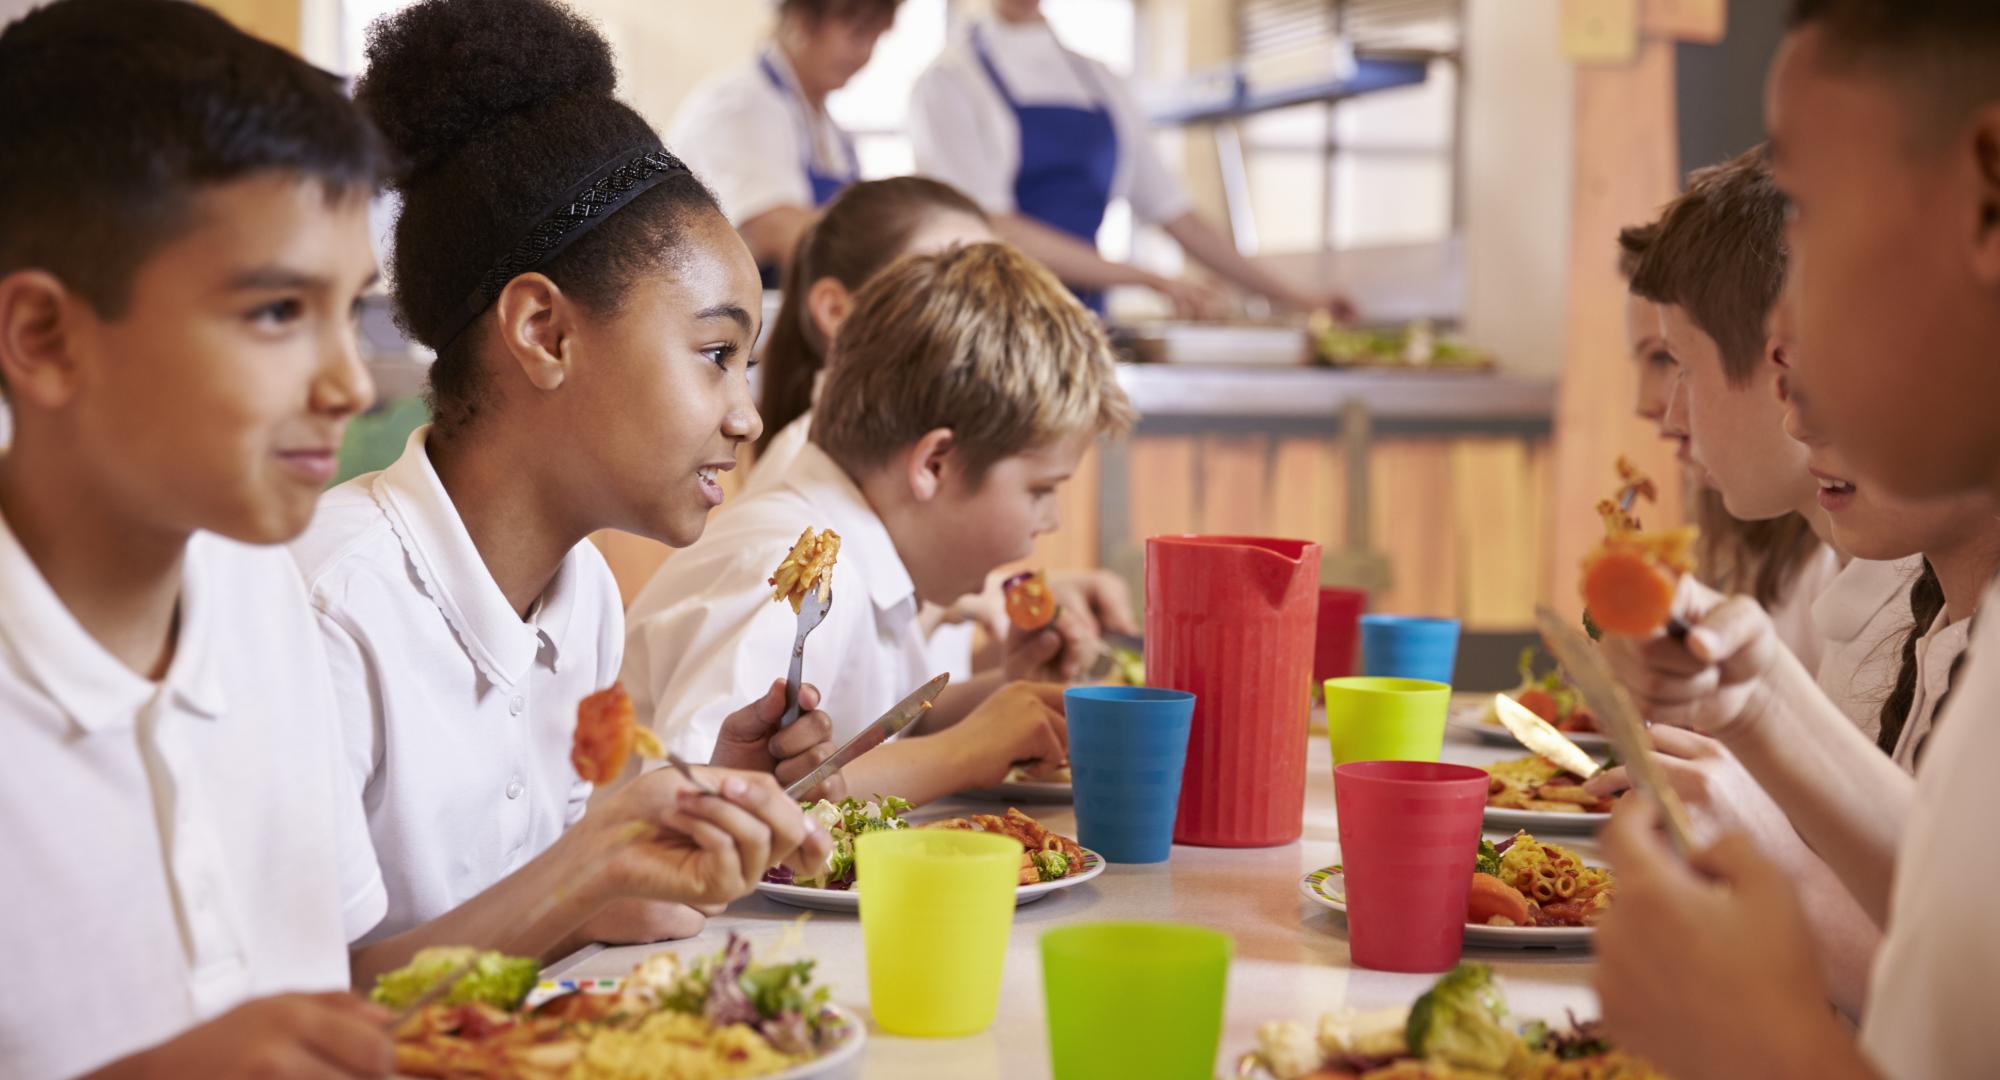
(760, 136)
(1043, 139)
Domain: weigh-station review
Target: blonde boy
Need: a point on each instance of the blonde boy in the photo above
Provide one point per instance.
(963, 390)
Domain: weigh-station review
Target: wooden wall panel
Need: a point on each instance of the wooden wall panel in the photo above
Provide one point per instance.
(1309, 492)
(1235, 485)
(1410, 517)
(1493, 512)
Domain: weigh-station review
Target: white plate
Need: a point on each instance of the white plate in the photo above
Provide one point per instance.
(842, 1062)
(1541, 821)
(1466, 718)
(850, 901)
(1025, 791)
(1323, 887)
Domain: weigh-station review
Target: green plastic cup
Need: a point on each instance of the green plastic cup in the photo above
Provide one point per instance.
(1134, 999)
(936, 908)
(1374, 718)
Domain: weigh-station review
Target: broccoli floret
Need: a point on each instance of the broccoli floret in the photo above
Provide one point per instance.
(1488, 859)
(1050, 865)
(1458, 1021)
(1590, 627)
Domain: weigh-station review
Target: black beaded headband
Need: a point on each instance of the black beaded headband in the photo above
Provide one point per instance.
(608, 188)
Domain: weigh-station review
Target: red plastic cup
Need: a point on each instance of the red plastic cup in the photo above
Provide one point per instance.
(1339, 632)
(1409, 834)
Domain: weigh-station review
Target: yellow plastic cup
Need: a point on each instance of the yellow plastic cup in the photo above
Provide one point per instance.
(1375, 718)
(936, 908)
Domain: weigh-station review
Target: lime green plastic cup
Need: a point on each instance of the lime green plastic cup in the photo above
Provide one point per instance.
(1371, 718)
(1134, 999)
(936, 908)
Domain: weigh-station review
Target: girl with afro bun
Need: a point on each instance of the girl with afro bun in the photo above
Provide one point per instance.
(592, 314)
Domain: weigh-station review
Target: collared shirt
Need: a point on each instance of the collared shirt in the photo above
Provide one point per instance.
(1937, 651)
(1930, 1008)
(966, 135)
(1792, 615)
(704, 637)
(1862, 619)
(458, 713)
(171, 848)
(749, 141)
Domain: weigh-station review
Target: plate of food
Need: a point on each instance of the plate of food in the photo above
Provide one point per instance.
(1459, 1028)
(1547, 695)
(1533, 793)
(1050, 862)
(723, 1014)
(1525, 895)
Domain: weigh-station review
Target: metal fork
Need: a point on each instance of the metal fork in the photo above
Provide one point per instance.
(812, 611)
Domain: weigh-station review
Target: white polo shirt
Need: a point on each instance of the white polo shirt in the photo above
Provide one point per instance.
(1930, 1002)
(749, 140)
(965, 134)
(704, 637)
(458, 713)
(1792, 615)
(1937, 651)
(169, 849)
(1861, 619)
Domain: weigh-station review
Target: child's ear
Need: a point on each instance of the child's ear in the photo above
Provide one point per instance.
(36, 327)
(1986, 160)
(537, 327)
(928, 460)
(827, 304)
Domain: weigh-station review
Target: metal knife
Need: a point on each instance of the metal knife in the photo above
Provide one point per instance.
(896, 719)
(1615, 713)
(1542, 737)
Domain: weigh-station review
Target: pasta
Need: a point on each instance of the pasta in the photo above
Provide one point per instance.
(808, 566)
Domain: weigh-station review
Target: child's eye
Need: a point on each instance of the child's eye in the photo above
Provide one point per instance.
(720, 355)
(278, 312)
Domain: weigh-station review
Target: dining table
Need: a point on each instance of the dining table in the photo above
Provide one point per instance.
(1290, 959)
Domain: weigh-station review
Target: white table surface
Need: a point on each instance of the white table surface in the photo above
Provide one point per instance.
(1290, 962)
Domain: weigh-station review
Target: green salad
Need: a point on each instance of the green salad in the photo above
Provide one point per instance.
(844, 821)
(496, 979)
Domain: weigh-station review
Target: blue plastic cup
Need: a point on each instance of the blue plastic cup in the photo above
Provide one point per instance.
(1127, 745)
(1409, 647)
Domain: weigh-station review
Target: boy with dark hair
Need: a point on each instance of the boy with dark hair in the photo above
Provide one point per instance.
(1885, 122)
(183, 237)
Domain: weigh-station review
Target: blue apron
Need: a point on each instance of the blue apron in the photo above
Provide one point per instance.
(824, 185)
(1069, 156)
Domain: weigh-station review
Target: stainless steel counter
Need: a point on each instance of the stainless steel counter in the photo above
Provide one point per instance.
(1455, 398)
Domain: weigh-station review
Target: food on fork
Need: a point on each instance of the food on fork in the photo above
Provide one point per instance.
(608, 733)
(1629, 581)
(807, 567)
(1031, 604)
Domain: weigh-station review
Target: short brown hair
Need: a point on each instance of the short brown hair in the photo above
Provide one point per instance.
(980, 339)
(857, 11)
(1720, 254)
(1633, 242)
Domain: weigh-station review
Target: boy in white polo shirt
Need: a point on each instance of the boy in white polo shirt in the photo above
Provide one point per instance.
(183, 238)
(936, 460)
(177, 837)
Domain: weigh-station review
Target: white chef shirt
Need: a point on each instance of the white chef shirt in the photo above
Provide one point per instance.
(1792, 615)
(704, 637)
(965, 135)
(170, 848)
(1937, 651)
(749, 141)
(1862, 619)
(458, 713)
(1930, 1008)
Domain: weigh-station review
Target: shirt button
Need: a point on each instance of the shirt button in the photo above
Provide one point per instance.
(515, 787)
(515, 706)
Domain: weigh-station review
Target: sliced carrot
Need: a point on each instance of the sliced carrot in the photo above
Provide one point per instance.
(1490, 896)
(1627, 592)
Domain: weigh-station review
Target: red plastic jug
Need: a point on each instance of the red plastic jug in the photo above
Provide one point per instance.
(1231, 619)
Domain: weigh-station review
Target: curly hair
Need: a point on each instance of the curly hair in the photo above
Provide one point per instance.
(496, 108)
